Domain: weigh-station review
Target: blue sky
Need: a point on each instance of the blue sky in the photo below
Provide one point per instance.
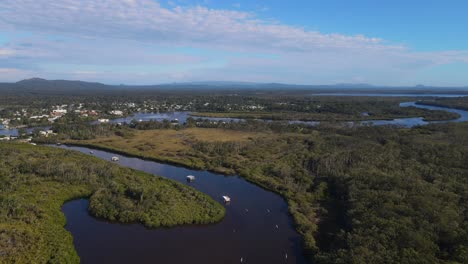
(304, 41)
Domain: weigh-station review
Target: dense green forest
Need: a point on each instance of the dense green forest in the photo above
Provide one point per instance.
(358, 195)
(35, 181)
(404, 192)
(346, 114)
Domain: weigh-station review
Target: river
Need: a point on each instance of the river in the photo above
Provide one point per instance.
(182, 117)
(404, 122)
(394, 94)
(257, 226)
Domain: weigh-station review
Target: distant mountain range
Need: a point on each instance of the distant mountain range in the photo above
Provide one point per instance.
(61, 87)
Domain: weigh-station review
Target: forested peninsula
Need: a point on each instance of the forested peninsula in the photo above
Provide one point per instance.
(35, 181)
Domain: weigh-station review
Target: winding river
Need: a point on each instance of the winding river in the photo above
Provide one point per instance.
(182, 117)
(257, 227)
(404, 122)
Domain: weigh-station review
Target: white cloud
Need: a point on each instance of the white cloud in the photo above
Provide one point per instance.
(147, 20)
(6, 52)
(112, 32)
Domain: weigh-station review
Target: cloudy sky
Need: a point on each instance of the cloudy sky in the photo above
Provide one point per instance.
(304, 41)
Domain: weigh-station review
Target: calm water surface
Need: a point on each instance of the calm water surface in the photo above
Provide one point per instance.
(393, 94)
(14, 131)
(404, 122)
(257, 226)
(180, 116)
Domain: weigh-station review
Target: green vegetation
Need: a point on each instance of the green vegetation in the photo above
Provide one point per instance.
(358, 195)
(276, 104)
(169, 145)
(324, 108)
(428, 115)
(35, 181)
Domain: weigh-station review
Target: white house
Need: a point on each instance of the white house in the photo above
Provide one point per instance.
(116, 112)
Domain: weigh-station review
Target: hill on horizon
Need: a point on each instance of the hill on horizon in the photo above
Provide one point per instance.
(40, 86)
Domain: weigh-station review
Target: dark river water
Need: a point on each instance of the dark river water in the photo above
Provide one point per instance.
(257, 227)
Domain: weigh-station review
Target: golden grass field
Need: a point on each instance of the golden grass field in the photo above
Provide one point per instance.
(169, 145)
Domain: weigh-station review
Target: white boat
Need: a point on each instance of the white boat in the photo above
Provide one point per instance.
(190, 178)
(226, 199)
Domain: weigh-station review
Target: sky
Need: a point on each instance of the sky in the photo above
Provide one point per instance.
(396, 42)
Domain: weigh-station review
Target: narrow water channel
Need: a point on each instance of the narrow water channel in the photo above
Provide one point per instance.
(403, 122)
(257, 227)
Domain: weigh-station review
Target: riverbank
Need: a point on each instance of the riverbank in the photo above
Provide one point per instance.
(310, 170)
(304, 117)
(196, 153)
(257, 226)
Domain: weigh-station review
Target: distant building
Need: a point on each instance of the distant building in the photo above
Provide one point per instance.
(58, 112)
(39, 117)
(47, 133)
(116, 112)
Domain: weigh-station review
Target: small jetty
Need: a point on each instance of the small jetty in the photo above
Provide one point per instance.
(190, 178)
(115, 158)
(226, 199)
